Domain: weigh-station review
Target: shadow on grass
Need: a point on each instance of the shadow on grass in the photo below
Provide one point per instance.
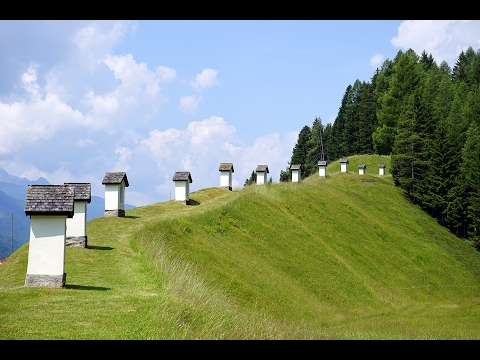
(193, 202)
(131, 217)
(82, 287)
(99, 247)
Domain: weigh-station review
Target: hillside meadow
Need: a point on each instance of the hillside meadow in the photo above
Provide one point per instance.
(326, 258)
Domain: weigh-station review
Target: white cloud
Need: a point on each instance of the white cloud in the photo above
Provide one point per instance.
(444, 39)
(165, 73)
(102, 105)
(33, 174)
(124, 155)
(376, 60)
(206, 79)
(29, 81)
(96, 39)
(189, 103)
(134, 76)
(208, 131)
(38, 117)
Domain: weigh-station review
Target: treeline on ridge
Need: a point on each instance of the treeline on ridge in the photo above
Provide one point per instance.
(426, 117)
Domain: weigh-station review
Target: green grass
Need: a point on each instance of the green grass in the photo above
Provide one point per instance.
(332, 258)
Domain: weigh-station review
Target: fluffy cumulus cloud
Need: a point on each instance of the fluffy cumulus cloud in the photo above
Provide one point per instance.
(444, 39)
(39, 115)
(165, 73)
(376, 61)
(97, 38)
(206, 79)
(190, 103)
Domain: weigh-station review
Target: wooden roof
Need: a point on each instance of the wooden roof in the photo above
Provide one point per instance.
(295, 167)
(49, 200)
(344, 160)
(82, 191)
(322, 163)
(362, 166)
(262, 168)
(182, 176)
(115, 178)
(226, 167)
(382, 165)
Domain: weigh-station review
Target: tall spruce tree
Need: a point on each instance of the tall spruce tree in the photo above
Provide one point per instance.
(470, 173)
(316, 148)
(405, 161)
(403, 81)
(455, 137)
(436, 186)
(301, 148)
(367, 117)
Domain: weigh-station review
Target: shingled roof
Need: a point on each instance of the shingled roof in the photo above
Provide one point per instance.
(262, 168)
(295, 167)
(322, 163)
(344, 160)
(362, 166)
(82, 191)
(382, 166)
(182, 176)
(226, 167)
(49, 200)
(115, 178)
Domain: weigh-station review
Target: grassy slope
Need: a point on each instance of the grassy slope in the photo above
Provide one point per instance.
(332, 258)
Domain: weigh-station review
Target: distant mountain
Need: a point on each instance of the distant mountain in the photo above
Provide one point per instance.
(13, 192)
(12, 179)
(14, 224)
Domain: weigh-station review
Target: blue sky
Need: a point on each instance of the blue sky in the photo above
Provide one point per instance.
(82, 98)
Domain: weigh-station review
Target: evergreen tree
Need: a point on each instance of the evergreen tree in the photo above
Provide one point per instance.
(286, 175)
(446, 69)
(353, 123)
(426, 60)
(316, 149)
(367, 117)
(402, 83)
(301, 148)
(439, 151)
(340, 146)
(252, 180)
(459, 70)
(470, 172)
(327, 141)
(405, 161)
(455, 137)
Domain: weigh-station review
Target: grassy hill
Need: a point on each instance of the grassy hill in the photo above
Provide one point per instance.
(332, 258)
